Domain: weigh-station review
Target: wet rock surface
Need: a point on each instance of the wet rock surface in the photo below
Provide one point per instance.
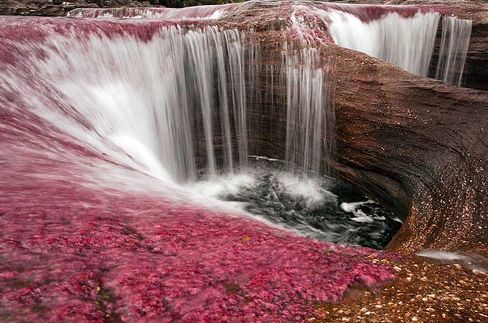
(425, 291)
(430, 139)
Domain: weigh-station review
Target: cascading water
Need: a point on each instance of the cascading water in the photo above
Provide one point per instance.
(402, 35)
(456, 34)
(405, 42)
(153, 99)
(310, 113)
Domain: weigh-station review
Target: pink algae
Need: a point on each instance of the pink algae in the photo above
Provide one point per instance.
(71, 253)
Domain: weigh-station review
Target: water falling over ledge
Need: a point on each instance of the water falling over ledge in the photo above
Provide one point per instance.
(407, 42)
(158, 101)
(175, 104)
(405, 36)
(453, 49)
(402, 35)
(310, 111)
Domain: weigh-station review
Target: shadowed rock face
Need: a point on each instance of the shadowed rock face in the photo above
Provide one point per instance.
(415, 143)
(477, 60)
(418, 144)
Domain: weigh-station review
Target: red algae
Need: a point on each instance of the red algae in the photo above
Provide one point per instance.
(63, 247)
(72, 252)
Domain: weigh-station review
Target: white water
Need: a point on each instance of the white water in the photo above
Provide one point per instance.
(354, 208)
(456, 34)
(310, 114)
(152, 101)
(307, 189)
(219, 186)
(405, 42)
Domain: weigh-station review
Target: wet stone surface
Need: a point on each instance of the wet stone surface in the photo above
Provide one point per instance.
(426, 291)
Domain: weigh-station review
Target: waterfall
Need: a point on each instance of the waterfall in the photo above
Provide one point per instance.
(309, 111)
(173, 102)
(407, 42)
(236, 55)
(456, 34)
(148, 104)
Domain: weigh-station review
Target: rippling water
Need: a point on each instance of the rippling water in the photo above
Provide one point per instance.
(323, 208)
